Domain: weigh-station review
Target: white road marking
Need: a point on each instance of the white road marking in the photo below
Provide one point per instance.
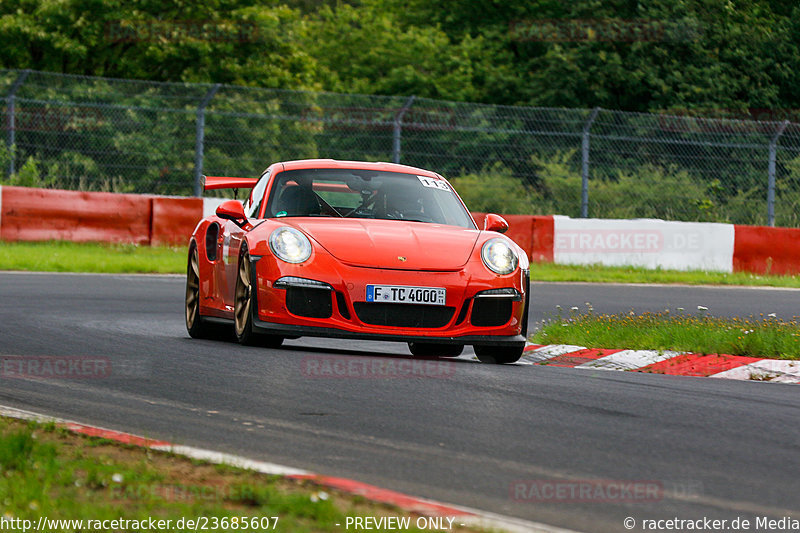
(548, 352)
(774, 370)
(630, 359)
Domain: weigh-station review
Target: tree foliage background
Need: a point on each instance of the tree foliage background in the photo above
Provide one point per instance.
(710, 57)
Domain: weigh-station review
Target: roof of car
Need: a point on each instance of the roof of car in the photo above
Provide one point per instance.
(333, 163)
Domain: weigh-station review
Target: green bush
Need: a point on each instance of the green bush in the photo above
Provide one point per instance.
(648, 192)
(495, 190)
(26, 176)
(652, 192)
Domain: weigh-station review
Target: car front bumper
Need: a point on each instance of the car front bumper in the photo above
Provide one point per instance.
(271, 314)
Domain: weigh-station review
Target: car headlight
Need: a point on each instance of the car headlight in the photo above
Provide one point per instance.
(290, 245)
(499, 257)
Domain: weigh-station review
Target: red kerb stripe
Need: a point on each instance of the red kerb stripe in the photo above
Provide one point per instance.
(124, 438)
(391, 497)
(578, 358)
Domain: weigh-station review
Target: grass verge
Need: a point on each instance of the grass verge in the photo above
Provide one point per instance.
(767, 337)
(49, 472)
(600, 274)
(60, 256)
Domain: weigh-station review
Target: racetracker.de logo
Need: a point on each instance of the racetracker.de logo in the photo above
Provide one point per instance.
(609, 241)
(186, 493)
(55, 367)
(180, 31)
(586, 491)
(605, 30)
(55, 118)
(331, 366)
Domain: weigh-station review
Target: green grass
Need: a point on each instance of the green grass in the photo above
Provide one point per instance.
(760, 336)
(49, 472)
(60, 256)
(600, 274)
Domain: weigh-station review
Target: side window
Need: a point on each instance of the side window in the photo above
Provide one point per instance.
(253, 204)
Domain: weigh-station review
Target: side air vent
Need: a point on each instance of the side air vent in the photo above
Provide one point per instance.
(211, 241)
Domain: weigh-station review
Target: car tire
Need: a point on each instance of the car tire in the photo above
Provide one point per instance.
(500, 355)
(243, 311)
(430, 349)
(198, 326)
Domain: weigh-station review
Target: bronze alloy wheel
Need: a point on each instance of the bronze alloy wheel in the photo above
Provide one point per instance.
(198, 326)
(242, 299)
(243, 308)
(193, 319)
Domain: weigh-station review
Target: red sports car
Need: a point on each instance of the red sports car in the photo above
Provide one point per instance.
(359, 251)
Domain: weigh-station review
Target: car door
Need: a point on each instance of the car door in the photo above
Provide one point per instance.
(233, 236)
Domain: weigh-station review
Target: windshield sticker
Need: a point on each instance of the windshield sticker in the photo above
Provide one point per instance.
(433, 183)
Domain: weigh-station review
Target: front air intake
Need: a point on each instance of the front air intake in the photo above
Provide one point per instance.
(404, 315)
(310, 303)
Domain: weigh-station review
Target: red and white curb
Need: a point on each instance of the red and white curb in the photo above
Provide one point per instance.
(464, 516)
(665, 362)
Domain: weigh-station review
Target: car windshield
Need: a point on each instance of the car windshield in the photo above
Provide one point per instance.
(346, 193)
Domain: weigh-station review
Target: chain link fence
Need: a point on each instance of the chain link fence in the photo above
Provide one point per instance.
(88, 133)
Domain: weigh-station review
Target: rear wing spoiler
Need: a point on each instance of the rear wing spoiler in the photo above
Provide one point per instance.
(220, 182)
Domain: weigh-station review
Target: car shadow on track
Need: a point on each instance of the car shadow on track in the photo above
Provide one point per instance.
(383, 350)
(363, 353)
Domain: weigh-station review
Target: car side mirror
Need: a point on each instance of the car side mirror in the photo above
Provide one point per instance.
(495, 223)
(231, 210)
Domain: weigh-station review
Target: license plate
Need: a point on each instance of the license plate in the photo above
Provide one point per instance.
(406, 295)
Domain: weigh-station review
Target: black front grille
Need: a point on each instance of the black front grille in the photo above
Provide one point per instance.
(488, 312)
(342, 304)
(404, 315)
(311, 303)
(463, 313)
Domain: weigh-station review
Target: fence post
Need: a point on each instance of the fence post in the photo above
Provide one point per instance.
(12, 97)
(199, 138)
(585, 163)
(773, 148)
(398, 121)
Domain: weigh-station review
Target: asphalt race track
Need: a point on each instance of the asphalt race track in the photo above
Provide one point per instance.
(491, 437)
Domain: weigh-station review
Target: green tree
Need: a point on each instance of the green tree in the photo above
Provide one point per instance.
(224, 41)
(367, 49)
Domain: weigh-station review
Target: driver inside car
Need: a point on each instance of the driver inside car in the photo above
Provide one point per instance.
(401, 202)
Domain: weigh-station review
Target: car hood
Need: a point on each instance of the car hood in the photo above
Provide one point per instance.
(391, 243)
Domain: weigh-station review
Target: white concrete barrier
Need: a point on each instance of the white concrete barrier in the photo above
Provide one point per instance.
(647, 243)
(210, 205)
